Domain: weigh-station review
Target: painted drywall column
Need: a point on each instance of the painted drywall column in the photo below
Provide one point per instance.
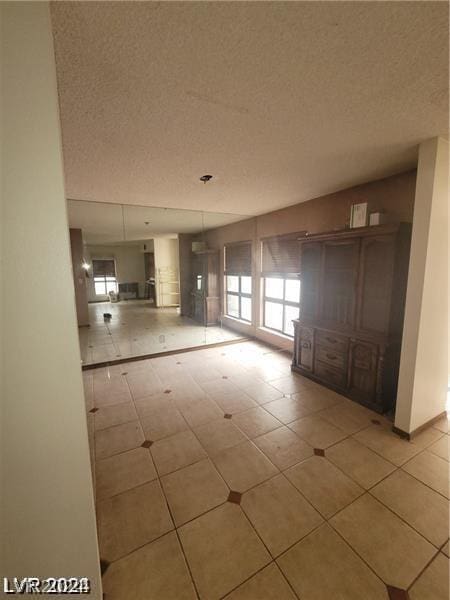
(167, 266)
(79, 277)
(48, 519)
(423, 367)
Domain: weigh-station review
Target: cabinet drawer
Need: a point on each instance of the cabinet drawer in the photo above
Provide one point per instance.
(338, 343)
(336, 359)
(330, 375)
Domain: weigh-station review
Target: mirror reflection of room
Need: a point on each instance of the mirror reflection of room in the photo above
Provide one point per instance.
(146, 282)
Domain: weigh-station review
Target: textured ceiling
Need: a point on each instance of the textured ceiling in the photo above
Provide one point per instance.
(111, 223)
(280, 101)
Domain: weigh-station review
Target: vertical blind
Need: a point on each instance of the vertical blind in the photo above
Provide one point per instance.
(238, 258)
(104, 267)
(281, 255)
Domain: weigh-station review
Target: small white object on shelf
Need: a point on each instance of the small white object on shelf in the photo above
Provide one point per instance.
(377, 218)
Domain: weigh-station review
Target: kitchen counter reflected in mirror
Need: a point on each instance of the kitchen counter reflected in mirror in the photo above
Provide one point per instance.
(145, 281)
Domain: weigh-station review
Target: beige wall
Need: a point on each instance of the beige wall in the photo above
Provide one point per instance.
(423, 368)
(129, 266)
(48, 520)
(79, 277)
(394, 195)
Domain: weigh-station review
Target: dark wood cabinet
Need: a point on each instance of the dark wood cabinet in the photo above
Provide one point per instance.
(205, 306)
(353, 287)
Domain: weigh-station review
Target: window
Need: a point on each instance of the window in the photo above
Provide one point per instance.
(281, 304)
(239, 297)
(104, 273)
(238, 281)
(280, 266)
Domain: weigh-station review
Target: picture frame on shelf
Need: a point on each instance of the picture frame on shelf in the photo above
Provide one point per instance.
(359, 215)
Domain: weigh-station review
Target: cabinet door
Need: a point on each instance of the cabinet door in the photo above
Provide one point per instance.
(375, 286)
(363, 371)
(339, 279)
(311, 254)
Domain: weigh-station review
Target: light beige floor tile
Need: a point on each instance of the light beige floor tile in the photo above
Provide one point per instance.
(324, 485)
(163, 423)
(280, 515)
(157, 571)
(433, 584)
(283, 447)
(218, 388)
(395, 552)
(286, 409)
(176, 451)
(348, 418)
(314, 400)
(262, 392)
(244, 466)
(359, 462)
(143, 383)
(111, 391)
(218, 435)
(441, 447)
(123, 472)
(222, 550)
(317, 432)
(235, 403)
(417, 504)
(118, 439)
(108, 416)
(147, 405)
(255, 422)
(132, 519)
(445, 548)
(442, 425)
(323, 567)
(193, 490)
(386, 443)
(202, 412)
(426, 438)
(431, 470)
(290, 384)
(265, 373)
(268, 584)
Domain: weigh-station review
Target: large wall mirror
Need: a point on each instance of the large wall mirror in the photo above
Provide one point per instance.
(145, 281)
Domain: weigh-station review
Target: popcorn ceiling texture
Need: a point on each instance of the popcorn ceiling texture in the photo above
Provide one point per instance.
(281, 101)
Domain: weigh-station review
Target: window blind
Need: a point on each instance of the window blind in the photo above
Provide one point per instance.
(104, 267)
(238, 259)
(281, 256)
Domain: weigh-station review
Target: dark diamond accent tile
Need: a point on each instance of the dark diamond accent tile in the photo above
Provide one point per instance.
(234, 497)
(118, 355)
(91, 346)
(397, 593)
(104, 565)
(93, 410)
(167, 391)
(178, 362)
(125, 373)
(375, 421)
(319, 452)
(227, 416)
(146, 444)
(224, 377)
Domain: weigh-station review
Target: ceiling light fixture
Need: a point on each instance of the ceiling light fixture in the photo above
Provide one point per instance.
(206, 178)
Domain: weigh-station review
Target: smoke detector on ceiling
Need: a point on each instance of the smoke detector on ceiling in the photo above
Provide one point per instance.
(206, 178)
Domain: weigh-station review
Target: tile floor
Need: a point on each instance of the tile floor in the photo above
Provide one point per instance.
(138, 328)
(220, 474)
